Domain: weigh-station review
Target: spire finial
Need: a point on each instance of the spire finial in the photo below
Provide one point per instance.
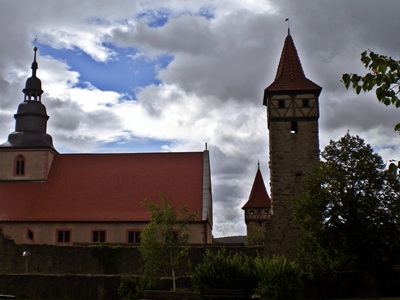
(288, 26)
(33, 87)
(258, 164)
(34, 63)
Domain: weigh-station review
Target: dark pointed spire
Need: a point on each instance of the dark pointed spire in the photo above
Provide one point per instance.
(290, 75)
(31, 117)
(33, 87)
(259, 197)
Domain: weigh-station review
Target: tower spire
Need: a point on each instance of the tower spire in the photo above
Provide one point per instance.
(33, 87)
(290, 75)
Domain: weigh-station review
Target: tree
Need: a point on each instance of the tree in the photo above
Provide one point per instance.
(350, 211)
(384, 75)
(164, 241)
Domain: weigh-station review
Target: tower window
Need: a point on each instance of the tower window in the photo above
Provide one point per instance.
(281, 103)
(19, 166)
(293, 127)
(306, 103)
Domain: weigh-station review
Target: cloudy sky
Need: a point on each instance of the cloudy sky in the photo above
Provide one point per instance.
(172, 75)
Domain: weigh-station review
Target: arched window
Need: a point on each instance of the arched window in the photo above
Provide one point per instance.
(19, 168)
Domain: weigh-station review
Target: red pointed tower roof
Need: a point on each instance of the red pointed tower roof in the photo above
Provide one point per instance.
(259, 197)
(290, 75)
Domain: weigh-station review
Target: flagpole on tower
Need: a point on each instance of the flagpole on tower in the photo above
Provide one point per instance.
(288, 25)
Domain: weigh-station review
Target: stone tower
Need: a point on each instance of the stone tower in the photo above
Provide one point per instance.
(257, 209)
(293, 112)
(29, 151)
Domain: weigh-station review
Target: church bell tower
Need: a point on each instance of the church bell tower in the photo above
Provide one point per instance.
(292, 111)
(29, 151)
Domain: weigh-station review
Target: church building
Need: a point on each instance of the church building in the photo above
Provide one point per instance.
(63, 199)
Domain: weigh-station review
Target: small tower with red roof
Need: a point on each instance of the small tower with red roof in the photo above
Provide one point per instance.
(292, 103)
(257, 207)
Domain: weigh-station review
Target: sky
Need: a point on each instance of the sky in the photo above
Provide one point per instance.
(173, 75)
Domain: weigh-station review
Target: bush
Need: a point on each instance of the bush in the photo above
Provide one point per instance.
(277, 278)
(224, 271)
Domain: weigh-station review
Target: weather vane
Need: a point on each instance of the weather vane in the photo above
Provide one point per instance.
(35, 41)
(288, 25)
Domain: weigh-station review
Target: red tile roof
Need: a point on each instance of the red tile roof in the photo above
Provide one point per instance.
(290, 75)
(106, 187)
(259, 197)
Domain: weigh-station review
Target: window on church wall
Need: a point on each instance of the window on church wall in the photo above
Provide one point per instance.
(30, 235)
(64, 236)
(98, 236)
(281, 103)
(133, 237)
(19, 166)
(306, 103)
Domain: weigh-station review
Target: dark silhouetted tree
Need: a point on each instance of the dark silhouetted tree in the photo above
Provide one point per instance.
(349, 211)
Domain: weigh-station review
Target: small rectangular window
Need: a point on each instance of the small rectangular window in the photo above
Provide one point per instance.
(293, 127)
(133, 237)
(99, 236)
(306, 103)
(281, 103)
(30, 234)
(64, 236)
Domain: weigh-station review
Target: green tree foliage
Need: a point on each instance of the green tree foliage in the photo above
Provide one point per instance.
(384, 75)
(164, 241)
(349, 210)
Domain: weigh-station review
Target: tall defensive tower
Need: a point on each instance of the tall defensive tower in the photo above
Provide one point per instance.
(293, 112)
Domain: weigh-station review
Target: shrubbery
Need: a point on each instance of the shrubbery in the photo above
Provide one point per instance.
(224, 270)
(278, 278)
(272, 278)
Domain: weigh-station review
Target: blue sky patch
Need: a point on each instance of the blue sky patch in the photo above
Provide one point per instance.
(125, 74)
